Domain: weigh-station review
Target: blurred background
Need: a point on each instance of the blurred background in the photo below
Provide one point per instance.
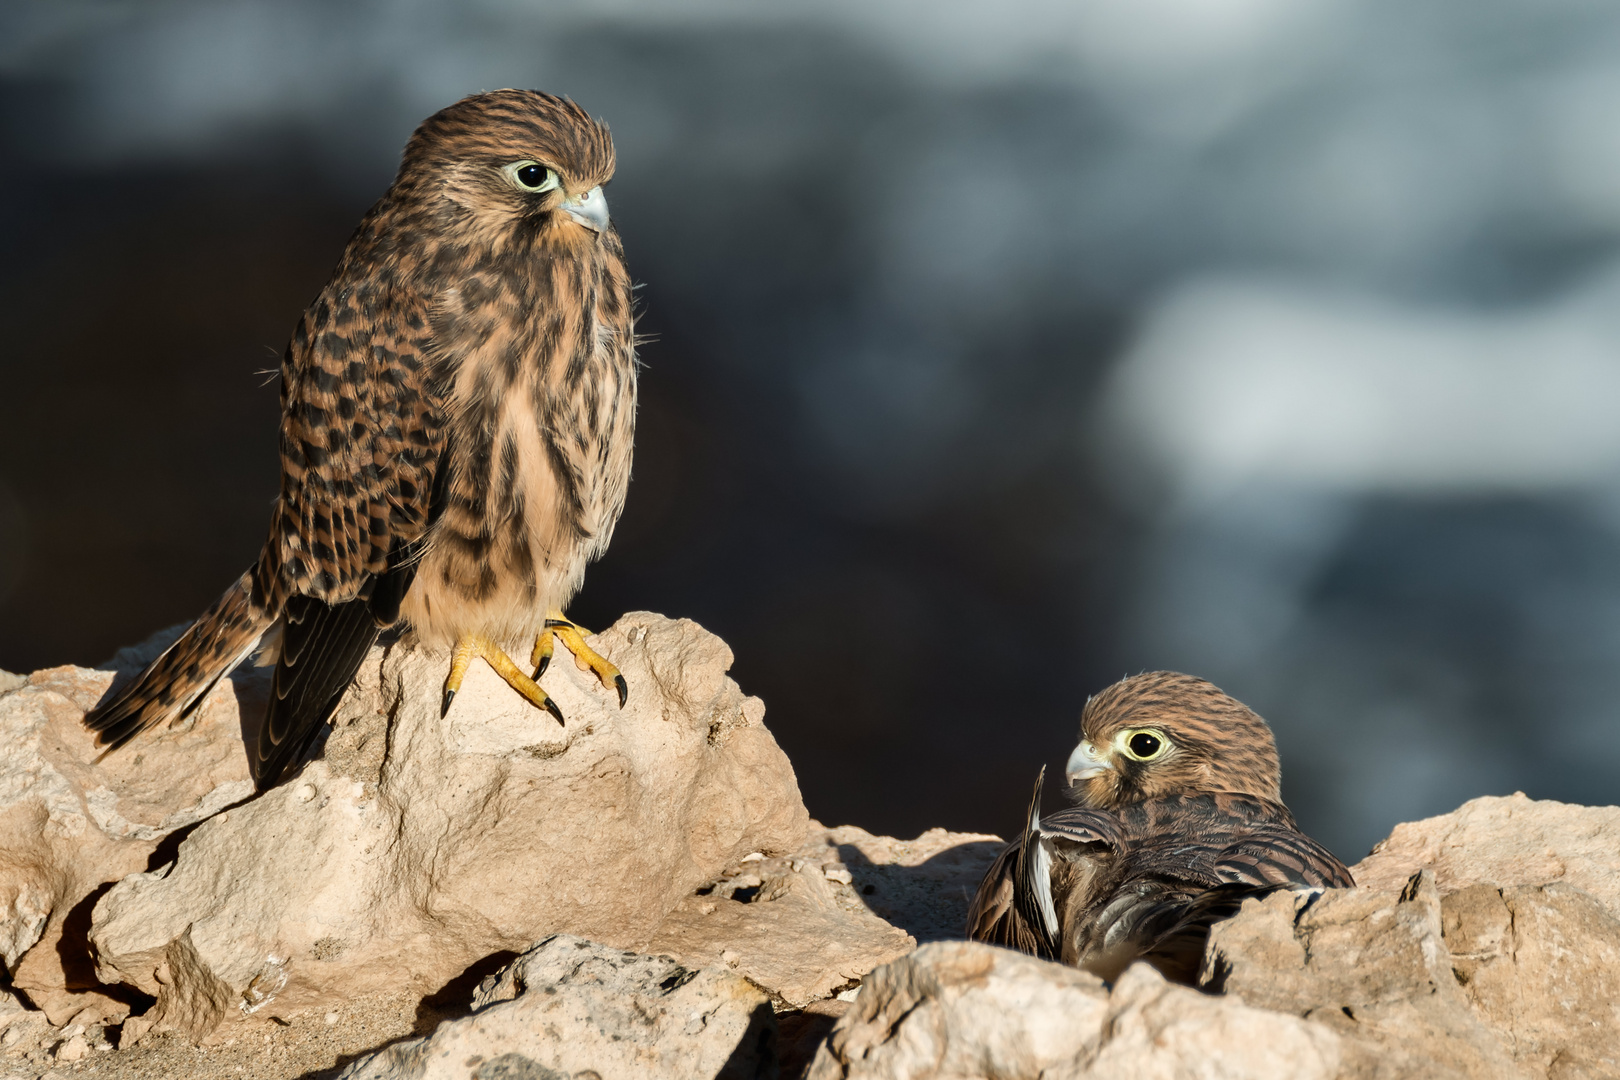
(998, 352)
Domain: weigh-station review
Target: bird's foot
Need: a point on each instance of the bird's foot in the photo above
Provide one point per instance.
(573, 636)
(475, 645)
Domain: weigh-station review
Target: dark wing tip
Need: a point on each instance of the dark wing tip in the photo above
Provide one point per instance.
(323, 646)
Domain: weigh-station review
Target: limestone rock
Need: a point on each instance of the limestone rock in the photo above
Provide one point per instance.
(1155, 1030)
(923, 886)
(963, 1009)
(1369, 964)
(1541, 966)
(418, 846)
(1512, 840)
(71, 824)
(570, 1007)
(811, 922)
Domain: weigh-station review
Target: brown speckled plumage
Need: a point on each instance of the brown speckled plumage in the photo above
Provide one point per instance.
(1161, 848)
(458, 407)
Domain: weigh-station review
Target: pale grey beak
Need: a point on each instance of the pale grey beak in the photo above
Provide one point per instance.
(589, 209)
(1086, 761)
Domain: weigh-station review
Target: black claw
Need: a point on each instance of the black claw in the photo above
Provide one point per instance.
(551, 707)
(545, 662)
(552, 623)
(624, 689)
(444, 709)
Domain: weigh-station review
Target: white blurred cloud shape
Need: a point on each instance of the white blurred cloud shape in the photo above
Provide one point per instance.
(1234, 382)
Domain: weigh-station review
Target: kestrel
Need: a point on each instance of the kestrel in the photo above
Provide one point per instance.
(458, 407)
(1181, 818)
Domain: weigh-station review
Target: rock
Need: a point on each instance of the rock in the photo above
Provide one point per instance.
(1372, 966)
(570, 1007)
(813, 921)
(923, 886)
(963, 1009)
(1540, 964)
(1512, 840)
(1156, 1030)
(418, 846)
(76, 1048)
(71, 825)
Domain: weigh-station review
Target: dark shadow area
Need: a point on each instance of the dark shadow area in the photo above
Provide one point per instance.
(79, 965)
(929, 901)
(168, 849)
(755, 1057)
(454, 998)
(798, 1036)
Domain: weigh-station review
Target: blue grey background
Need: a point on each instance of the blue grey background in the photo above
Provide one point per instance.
(999, 351)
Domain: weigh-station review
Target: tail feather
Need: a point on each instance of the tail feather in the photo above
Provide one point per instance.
(1032, 878)
(322, 646)
(1014, 904)
(174, 684)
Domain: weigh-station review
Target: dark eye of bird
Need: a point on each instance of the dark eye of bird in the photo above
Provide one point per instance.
(532, 176)
(1144, 745)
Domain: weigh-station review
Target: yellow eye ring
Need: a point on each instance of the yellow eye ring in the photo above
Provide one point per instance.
(531, 176)
(1143, 744)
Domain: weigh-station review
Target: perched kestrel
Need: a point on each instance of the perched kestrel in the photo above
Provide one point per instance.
(458, 407)
(1181, 818)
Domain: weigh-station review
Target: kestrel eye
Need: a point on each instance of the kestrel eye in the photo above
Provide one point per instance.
(1145, 745)
(531, 176)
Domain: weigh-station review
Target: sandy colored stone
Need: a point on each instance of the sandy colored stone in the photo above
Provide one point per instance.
(809, 923)
(570, 1007)
(1505, 840)
(1369, 964)
(963, 1009)
(923, 886)
(1155, 1030)
(419, 845)
(1541, 966)
(71, 825)
(959, 1009)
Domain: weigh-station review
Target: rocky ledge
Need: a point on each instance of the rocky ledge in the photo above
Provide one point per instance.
(642, 893)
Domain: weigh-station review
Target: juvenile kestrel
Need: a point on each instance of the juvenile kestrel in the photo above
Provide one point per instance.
(1181, 818)
(458, 406)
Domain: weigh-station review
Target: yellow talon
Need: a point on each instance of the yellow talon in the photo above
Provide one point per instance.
(573, 637)
(472, 645)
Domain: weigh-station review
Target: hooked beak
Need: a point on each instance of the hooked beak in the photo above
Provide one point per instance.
(589, 209)
(1086, 761)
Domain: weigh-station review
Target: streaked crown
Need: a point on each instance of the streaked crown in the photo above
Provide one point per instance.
(495, 127)
(1164, 733)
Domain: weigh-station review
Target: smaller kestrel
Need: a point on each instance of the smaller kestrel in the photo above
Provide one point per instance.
(1181, 818)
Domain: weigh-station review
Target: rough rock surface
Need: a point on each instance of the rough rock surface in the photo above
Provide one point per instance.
(1371, 965)
(418, 845)
(570, 1007)
(361, 902)
(962, 1009)
(70, 824)
(813, 921)
(1505, 840)
(1541, 966)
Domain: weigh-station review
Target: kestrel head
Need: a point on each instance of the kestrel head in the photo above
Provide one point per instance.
(511, 164)
(1163, 733)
